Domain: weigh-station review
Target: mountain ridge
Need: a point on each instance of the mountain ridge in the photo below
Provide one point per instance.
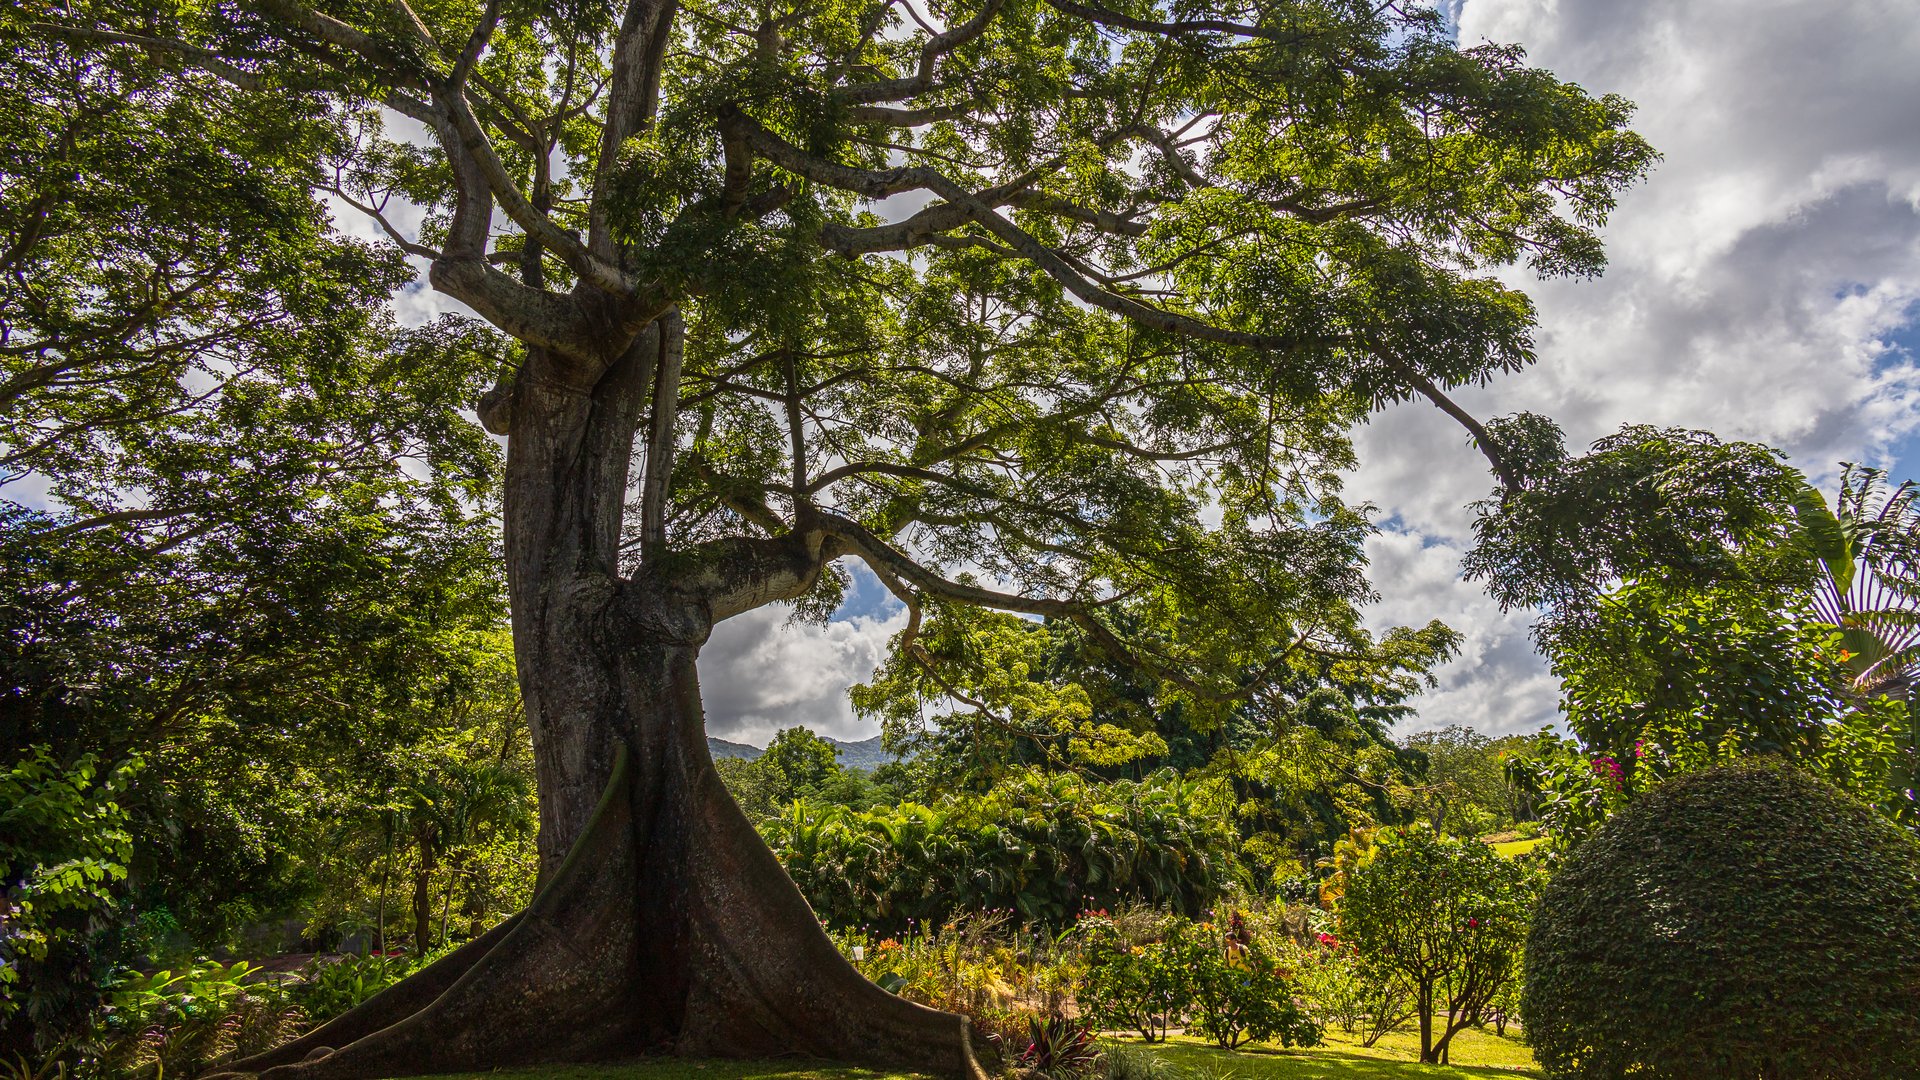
(864, 754)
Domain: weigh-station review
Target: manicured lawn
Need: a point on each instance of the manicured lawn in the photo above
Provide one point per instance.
(1395, 1057)
(1510, 848)
(1476, 1054)
(668, 1068)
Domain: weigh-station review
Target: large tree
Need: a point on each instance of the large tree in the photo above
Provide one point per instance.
(1038, 306)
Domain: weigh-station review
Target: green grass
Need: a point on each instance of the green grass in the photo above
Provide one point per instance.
(671, 1068)
(1511, 848)
(1477, 1054)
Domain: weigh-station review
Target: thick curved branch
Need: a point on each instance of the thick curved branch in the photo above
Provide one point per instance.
(476, 44)
(468, 140)
(535, 316)
(1220, 27)
(664, 415)
(893, 567)
(738, 574)
(882, 556)
(936, 47)
(633, 90)
(1483, 440)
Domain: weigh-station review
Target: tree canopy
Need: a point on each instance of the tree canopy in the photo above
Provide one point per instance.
(1151, 262)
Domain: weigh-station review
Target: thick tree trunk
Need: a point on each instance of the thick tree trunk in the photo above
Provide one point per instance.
(662, 923)
(423, 901)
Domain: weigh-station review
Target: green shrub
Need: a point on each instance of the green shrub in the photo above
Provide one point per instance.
(1228, 985)
(1241, 995)
(1045, 847)
(1133, 985)
(337, 984)
(64, 849)
(1736, 923)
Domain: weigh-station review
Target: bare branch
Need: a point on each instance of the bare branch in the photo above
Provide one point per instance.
(386, 226)
(910, 118)
(1104, 220)
(1482, 439)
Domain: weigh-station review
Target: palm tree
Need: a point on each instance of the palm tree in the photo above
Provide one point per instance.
(1868, 551)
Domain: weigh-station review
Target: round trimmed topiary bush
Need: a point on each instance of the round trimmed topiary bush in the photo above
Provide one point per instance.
(1742, 923)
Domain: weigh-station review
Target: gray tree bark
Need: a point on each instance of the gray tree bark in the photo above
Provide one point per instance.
(662, 922)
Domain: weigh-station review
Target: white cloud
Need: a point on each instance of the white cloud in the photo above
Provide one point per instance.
(1755, 281)
(1496, 684)
(760, 673)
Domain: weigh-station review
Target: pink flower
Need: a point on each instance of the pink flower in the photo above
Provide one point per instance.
(1609, 770)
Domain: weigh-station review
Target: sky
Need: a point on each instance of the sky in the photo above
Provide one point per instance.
(1764, 284)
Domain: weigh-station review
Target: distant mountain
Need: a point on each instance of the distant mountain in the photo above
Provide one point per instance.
(720, 748)
(865, 754)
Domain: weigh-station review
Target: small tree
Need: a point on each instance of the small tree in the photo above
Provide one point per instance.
(800, 763)
(1465, 784)
(1448, 915)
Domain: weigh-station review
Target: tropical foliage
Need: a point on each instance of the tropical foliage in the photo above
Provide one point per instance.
(64, 851)
(1703, 603)
(1044, 847)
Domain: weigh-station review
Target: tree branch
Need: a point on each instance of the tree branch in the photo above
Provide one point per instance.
(937, 46)
(632, 92)
(665, 412)
(1108, 17)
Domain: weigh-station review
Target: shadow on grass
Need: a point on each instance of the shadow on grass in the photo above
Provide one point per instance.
(675, 1068)
(1194, 1060)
